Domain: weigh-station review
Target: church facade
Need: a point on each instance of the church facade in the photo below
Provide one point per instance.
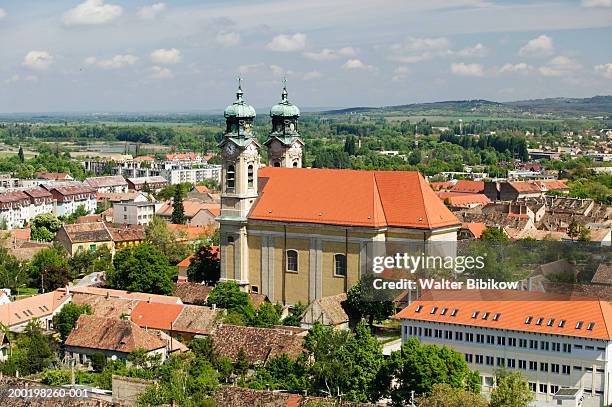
(298, 234)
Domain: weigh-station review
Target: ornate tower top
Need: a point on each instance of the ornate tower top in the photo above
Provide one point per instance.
(239, 109)
(284, 108)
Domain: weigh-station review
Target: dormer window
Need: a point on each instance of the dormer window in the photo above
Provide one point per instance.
(444, 311)
(434, 310)
(579, 324)
(485, 316)
(418, 308)
(551, 322)
(528, 320)
(454, 313)
(591, 326)
(539, 321)
(475, 314)
(496, 316)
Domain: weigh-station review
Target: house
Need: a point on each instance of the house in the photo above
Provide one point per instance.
(134, 213)
(192, 293)
(554, 342)
(468, 187)
(183, 265)
(114, 197)
(457, 200)
(41, 308)
(115, 338)
(553, 185)
(78, 237)
(129, 295)
(471, 230)
(106, 306)
(4, 346)
(153, 183)
(192, 175)
(14, 209)
(108, 184)
(127, 236)
(259, 344)
(69, 197)
(188, 233)
(512, 191)
(232, 396)
(328, 311)
(187, 157)
(603, 274)
(54, 176)
(196, 213)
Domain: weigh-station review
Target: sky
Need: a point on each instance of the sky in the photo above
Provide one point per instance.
(185, 55)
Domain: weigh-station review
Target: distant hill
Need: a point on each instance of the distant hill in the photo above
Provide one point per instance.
(597, 105)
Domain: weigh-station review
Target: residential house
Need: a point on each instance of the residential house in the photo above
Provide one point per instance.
(54, 176)
(106, 306)
(153, 183)
(192, 175)
(115, 338)
(471, 230)
(41, 308)
(113, 197)
(108, 184)
(603, 274)
(41, 201)
(468, 187)
(553, 185)
(78, 237)
(456, 200)
(183, 265)
(196, 213)
(328, 311)
(234, 396)
(134, 213)
(512, 191)
(14, 209)
(127, 236)
(69, 197)
(129, 295)
(192, 293)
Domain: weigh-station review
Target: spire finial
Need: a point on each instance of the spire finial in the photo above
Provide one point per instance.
(284, 94)
(239, 92)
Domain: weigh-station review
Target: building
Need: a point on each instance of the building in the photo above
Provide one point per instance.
(78, 237)
(554, 343)
(115, 338)
(134, 213)
(464, 186)
(192, 175)
(69, 197)
(54, 176)
(153, 183)
(41, 308)
(41, 201)
(457, 200)
(297, 234)
(14, 209)
(196, 213)
(328, 311)
(108, 184)
(127, 236)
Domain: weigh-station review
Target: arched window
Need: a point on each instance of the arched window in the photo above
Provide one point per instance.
(276, 164)
(295, 164)
(292, 261)
(231, 176)
(340, 265)
(250, 175)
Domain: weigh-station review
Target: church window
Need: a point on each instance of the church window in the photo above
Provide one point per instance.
(340, 265)
(295, 164)
(276, 164)
(231, 176)
(292, 260)
(250, 175)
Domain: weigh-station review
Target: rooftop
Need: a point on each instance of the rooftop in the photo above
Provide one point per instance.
(87, 232)
(37, 306)
(107, 181)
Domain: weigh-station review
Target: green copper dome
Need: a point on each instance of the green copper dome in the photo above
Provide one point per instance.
(284, 108)
(239, 108)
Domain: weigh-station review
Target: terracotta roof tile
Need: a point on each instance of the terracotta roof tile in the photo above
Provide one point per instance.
(130, 295)
(107, 307)
(463, 200)
(107, 181)
(467, 186)
(192, 293)
(526, 187)
(197, 320)
(603, 275)
(476, 228)
(87, 232)
(156, 315)
(37, 306)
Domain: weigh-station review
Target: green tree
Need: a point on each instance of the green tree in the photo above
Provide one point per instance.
(512, 390)
(573, 229)
(50, 263)
(225, 367)
(204, 348)
(282, 373)
(227, 295)
(31, 353)
(21, 155)
(295, 316)
(98, 361)
(585, 234)
(64, 321)
(494, 234)
(205, 266)
(159, 234)
(143, 268)
(443, 395)
(178, 210)
(53, 277)
(44, 227)
(266, 316)
(241, 365)
(363, 302)
(12, 273)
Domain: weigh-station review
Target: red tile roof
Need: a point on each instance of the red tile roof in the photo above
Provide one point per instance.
(438, 186)
(467, 186)
(463, 200)
(201, 189)
(527, 187)
(475, 228)
(191, 208)
(156, 315)
(53, 175)
(144, 158)
(552, 185)
(349, 197)
(514, 308)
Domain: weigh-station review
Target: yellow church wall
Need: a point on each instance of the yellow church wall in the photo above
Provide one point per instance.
(333, 284)
(297, 284)
(229, 260)
(254, 243)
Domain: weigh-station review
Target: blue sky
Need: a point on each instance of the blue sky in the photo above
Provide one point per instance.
(119, 55)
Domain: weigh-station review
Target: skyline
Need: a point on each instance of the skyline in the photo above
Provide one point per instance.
(114, 55)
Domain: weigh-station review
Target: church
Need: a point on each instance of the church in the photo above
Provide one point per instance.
(298, 234)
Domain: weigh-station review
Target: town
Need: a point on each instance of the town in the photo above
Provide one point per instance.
(316, 204)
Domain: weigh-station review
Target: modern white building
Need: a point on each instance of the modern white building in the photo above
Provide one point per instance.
(19, 207)
(134, 213)
(68, 197)
(555, 344)
(194, 175)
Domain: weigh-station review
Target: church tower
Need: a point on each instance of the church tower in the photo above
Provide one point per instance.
(240, 153)
(284, 143)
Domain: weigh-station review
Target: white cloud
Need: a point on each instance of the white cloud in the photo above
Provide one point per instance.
(152, 11)
(400, 73)
(353, 64)
(308, 76)
(166, 56)
(327, 54)
(245, 69)
(92, 12)
(462, 69)
(520, 68)
(542, 45)
(477, 50)
(605, 70)
(347, 51)
(597, 3)
(287, 43)
(38, 60)
(2, 13)
(228, 38)
(423, 44)
(115, 62)
(560, 66)
(158, 72)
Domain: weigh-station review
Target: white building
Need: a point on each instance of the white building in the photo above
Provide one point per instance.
(134, 213)
(19, 207)
(68, 197)
(554, 344)
(108, 184)
(192, 175)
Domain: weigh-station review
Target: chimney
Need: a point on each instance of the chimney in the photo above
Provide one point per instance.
(67, 290)
(214, 306)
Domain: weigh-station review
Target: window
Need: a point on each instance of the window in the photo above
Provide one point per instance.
(562, 323)
(458, 336)
(454, 313)
(579, 324)
(485, 315)
(544, 345)
(501, 340)
(532, 386)
(533, 365)
(539, 321)
(480, 338)
(469, 357)
(80, 248)
(92, 247)
(528, 320)
(250, 176)
(475, 314)
(567, 347)
(511, 363)
(230, 239)
(479, 359)
(501, 362)
(254, 289)
(523, 364)
(418, 308)
(554, 367)
(434, 310)
(292, 261)
(533, 344)
(512, 342)
(543, 367)
(448, 335)
(554, 389)
(522, 343)
(231, 176)
(496, 316)
(551, 322)
(556, 347)
(444, 311)
(489, 360)
(490, 339)
(340, 265)
(543, 388)
(566, 369)
(469, 337)
(591, 326)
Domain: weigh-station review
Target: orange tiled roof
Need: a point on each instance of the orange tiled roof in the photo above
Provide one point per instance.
(476, 228)
(191, 208)
(37, 306)
(514, 308)
(438, 186)
(156, 315)
(201, 189)
(186, 262)
(349, 197)
(552, 185)
(525, 186)
(192, 232)
(458, 200)
(467, 186)
(144, 158)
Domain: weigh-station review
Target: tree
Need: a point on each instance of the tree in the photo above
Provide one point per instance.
(31, 353)
(50, 263)
(573, 229)
(65, 320)
(53, 277)
(44, 227)
(89, 261)
(416, 367)
(205, 266)
(295, 316)
(363, 302)
(204, 348)
(98, 361)
(443, 395)
(282, 373)
(227, 295)
(494, 234)
(12, 273)
(21, 155)
(585, 234)
(241, 365)
(159, 234)
(143, 268)
(178, 210)
(266, 316)
(512, 390)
